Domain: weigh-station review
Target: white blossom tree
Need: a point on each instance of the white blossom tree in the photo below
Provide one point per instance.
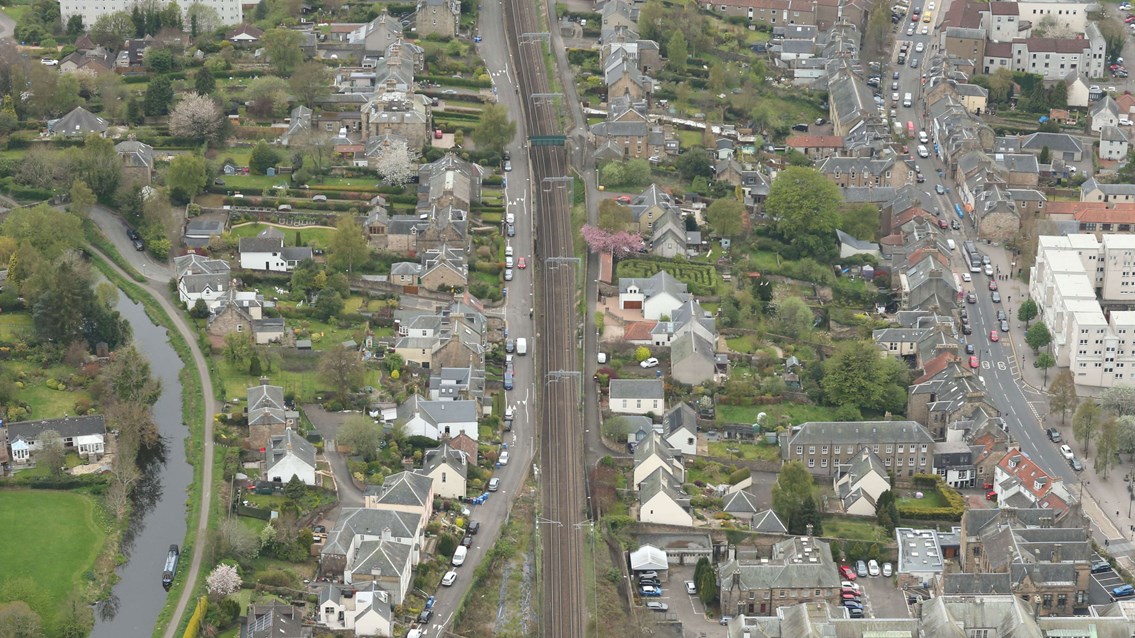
(222, 581)
(396, 163)
(197, 117)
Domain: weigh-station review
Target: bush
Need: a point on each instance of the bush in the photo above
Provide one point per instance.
(737, 476)
(277, 578)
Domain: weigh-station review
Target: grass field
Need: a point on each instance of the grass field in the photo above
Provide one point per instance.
(929, 499)
(50, 541)
(747, 451)
(314, 236)
(13, 325)
(853, 529)
(42, 401)
(797, 412)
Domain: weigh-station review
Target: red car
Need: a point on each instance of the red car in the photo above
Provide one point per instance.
(973, 362)
(846, 572)
(993, 336)
(992, 285)
(521, 264)
(623, 199)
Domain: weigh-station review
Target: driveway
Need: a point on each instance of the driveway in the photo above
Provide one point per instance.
(327, 424)
(114, 228)
(686, 608)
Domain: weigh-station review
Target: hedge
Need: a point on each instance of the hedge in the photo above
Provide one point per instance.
(194, 625)
(952, 512)
(448, 81)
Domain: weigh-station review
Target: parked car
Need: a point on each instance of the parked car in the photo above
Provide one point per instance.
(510, 345)
(873, 567)
(1067, 452)
(993, 336)
(424, 617)
(449, 578)
(996, 296)
(521, 263)
(650, 591)
(993, 284)
(494, 484)
(966, 277)
(652, 362)
(1076, 465)
(861, 568)
(1054, 435)
(971, 298)
(973, 362)
(847, 572)
(1004, 325)
(654, 605)
(988, 270)
(467, 540)
(970, 349)
(691, 588)
(1100, 567)
(846, 595)
(847, 584)
(1123, 590)
(888, 570)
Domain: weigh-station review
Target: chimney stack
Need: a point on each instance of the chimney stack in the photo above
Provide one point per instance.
(809, 531)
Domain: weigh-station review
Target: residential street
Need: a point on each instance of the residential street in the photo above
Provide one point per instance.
(115, 230)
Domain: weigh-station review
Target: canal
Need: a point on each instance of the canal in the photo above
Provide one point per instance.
(159, 501)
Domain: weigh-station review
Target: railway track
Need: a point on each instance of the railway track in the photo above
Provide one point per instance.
(563, 607)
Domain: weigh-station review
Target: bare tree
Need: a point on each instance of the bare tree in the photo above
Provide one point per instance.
(51, 452)
(197, 117)
(342, 369)
(396, 162)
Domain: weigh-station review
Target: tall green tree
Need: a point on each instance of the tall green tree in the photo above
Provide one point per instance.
(1085, 423)
(98, 165)
(204, 81)
(858, 374)
(310, 82)
(1027, 311)
(1118, 399)
(1107, 445)
(793, 486)
(804, 205)
(794, 317)
(262, 158)
(808, 515)
(348, 247)
(283, 48)
(1044, 361)
(725, 216)
(495, 130)
(1038, 336)
(82, 199)
(677, 52)
(186, 176)
(159, 96)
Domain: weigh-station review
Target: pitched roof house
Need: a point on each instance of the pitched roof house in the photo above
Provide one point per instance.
(680, 429)
(861, 482)
(438, 419)
(290, 455)
(267, 251)
(661, 500)
(200, 277)
(78, 123)
(85, 435)
(363, 610)
(268, 415)
(447, 468)
(657, 296)
(637, 396)
(409, 492)
(653, 453)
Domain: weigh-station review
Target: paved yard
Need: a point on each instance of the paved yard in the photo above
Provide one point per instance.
(688, 609)
(883, 598)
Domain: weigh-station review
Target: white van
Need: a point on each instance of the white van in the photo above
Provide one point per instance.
(510, 217)
(459, 555)
(952, 244)
(508, 261)
(907, 100)
(922, 152)
(508, 250)
(522, 346)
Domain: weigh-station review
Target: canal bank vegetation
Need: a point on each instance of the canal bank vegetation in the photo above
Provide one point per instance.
(66, 354)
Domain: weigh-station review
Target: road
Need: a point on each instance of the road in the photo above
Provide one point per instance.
(560, 521)
(111, 225)
(7, 26)
(999, 362)
(158, 291)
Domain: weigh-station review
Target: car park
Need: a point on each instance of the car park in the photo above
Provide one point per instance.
(449, 578)
(1066, 452)
(847, 572)
(649, 363)
(847, 584)
(1100, 567)
(650, 591)
(1054, 435)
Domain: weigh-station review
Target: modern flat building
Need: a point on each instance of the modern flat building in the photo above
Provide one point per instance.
(1085, 290)
(229, 11)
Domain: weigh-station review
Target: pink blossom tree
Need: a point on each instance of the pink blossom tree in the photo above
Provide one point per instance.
(619, 244)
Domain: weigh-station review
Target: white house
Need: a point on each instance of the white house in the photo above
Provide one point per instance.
(1113, 144)
(364, 611)
(267, 251)
(407, 492)
(661, 500)
(358, 548)
(651, 454)
(288, 455)
(85, 435)
(1077, 89)
(680, 429)
(448, 468)
(201, 278)
(637, 396)
(438, 419)
(657, 296)
(1104, 113)
(860, 483)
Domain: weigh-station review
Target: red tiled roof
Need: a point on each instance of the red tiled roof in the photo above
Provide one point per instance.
(815, 141)
(1027, 472)
(1126, 103)
(1054, 45)
(638, 330)
(1003, 8)
(908, 215)
(999, 50)
(1095, 212)
(935, 365)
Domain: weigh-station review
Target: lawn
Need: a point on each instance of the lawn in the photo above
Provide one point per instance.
(51, 539)
(797, 413)
(930, 498)
(297, 375)
(744, 450)
(708, 472)
(42, 401)
(13, 325)
(314, 236)
(853, 529)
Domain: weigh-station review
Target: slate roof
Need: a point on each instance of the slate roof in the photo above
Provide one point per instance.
(1056, 142)
(266, 405)
(371, 522)
(290, 441)
(444, 455)
(653, 445)
(662, 482)
(275, 620)
(198, 273)
(768, 522)
(861, 432)
(659, 282)
(636, 389)
(386, 558)
(741, 503)
(1107, 189)
(780, 572)
(680, 417)
(135, 154)
(79, 122)
(403, 488)
(690, 345)
(438, 412)
(67, 427)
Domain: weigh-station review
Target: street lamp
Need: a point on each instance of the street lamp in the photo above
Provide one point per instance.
(1130, 480)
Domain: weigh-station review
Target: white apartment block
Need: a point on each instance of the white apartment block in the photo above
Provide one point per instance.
(1003, 20)
(1073, 276)
(229, 11)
